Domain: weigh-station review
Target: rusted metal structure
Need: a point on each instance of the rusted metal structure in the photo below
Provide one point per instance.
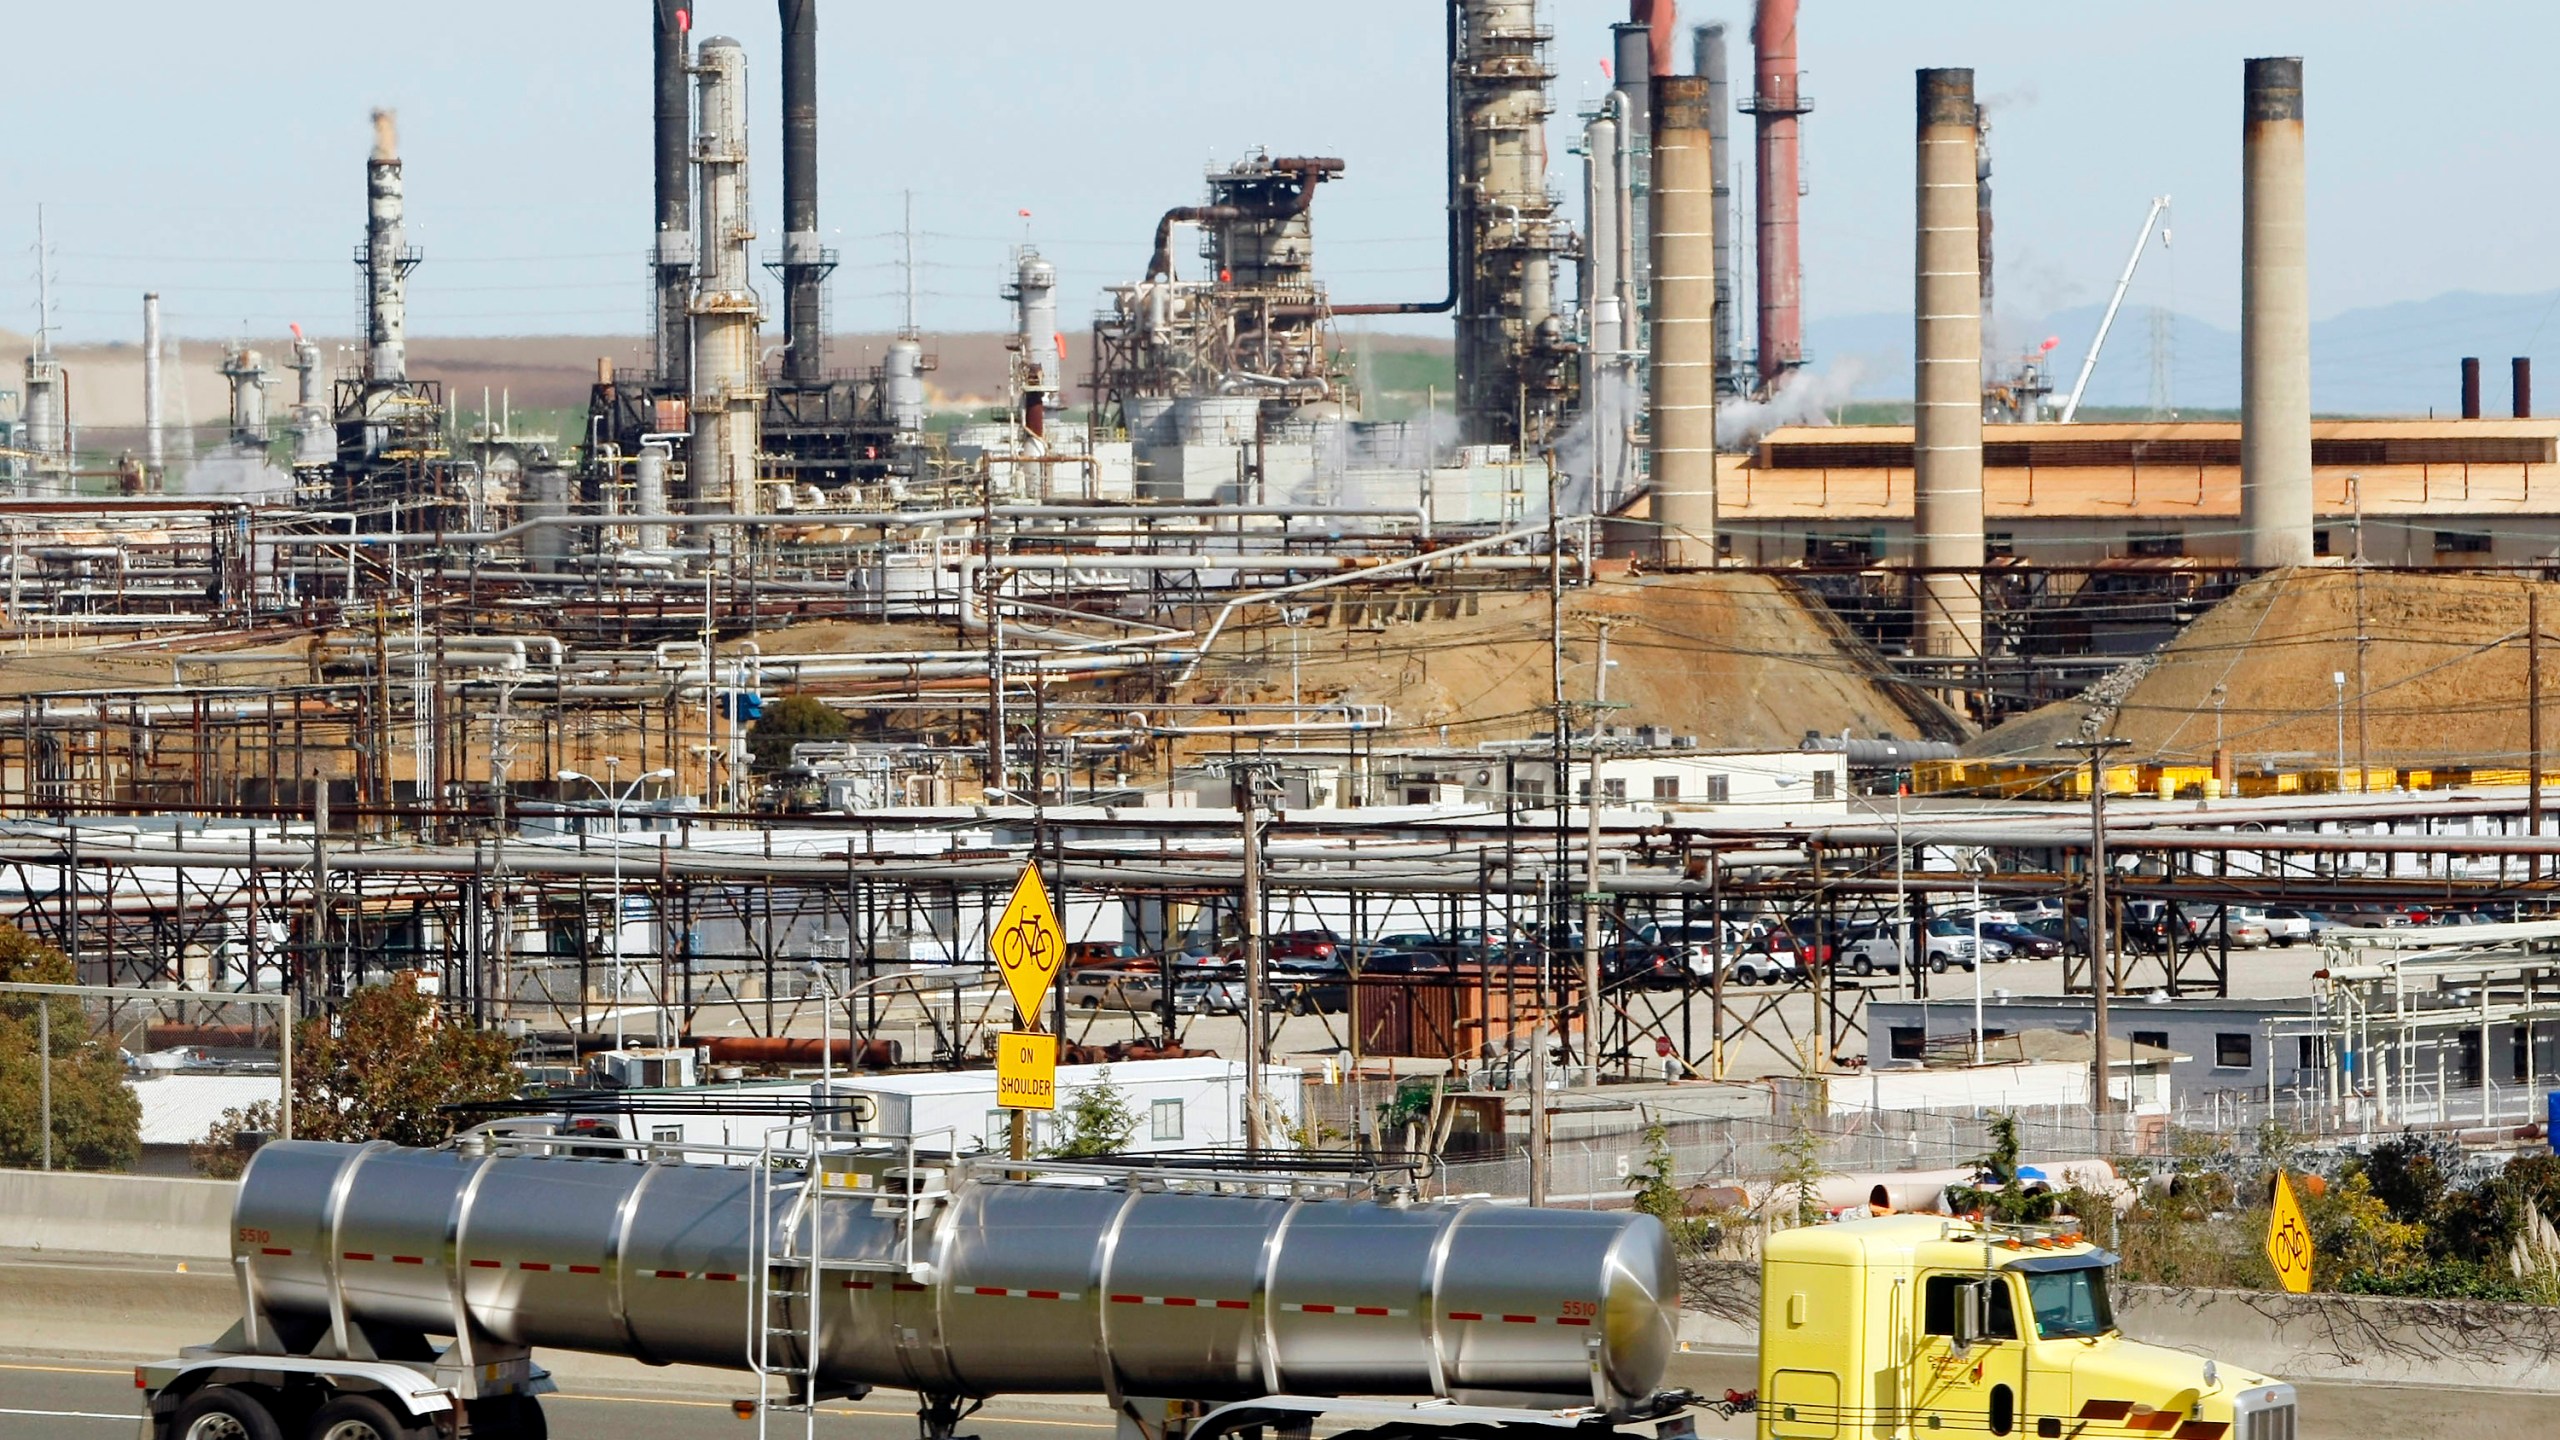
(1517, 371)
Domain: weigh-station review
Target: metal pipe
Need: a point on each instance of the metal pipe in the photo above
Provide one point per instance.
(2275, 320)
(1708, 44)
(805, 262)
(1684, 325)
(1947, 389)
(1452, 168)
(1777, 109)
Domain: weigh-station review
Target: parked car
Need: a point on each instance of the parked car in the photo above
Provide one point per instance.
(1636, 963)
(1306, 987)
(1218, 992)
(2240, 927)
(2019, 942)
(2292, 925)
(1943, 943)
(1407, 962)
(2070, 932)
(1777, 957)
(1135, 990)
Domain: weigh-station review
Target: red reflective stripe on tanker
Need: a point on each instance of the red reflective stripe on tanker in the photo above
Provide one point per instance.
(667, 1274)
(1380, 1310)
(533, 1264)
(1179, 1302)
(1235, 1304)
(907, 1287)
(718, 1275)
(1002, 1292)
(586, 1269)
(1519, 1319)
(408, 1260)
(857, 1284)
(274, 1250)
(488, 1264)
(1466, 1314)
(357, 1255)
(1572, 1320)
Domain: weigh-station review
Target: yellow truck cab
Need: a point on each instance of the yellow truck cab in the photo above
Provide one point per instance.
(1911, 1327)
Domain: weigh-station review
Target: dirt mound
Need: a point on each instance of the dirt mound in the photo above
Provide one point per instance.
(2442, 678)
(1739, 661)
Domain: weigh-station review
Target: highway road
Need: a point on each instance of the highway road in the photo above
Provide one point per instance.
(64, 1399)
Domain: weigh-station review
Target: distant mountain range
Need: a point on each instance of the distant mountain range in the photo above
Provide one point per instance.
(2398, 359)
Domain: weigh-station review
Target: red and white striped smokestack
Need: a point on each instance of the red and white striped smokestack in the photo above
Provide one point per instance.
(1776, 106)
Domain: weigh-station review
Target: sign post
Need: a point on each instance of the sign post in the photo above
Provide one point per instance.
(1028, 946)
(2289, 1246)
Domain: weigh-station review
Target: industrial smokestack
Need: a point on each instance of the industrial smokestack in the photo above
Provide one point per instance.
(387, 261)
(1778, 108)
(2470, 387)
(805, 262)
(1946, 516)
(1708, 44)
(2520, 370)
(1684, 324)
(2275, 320)
(728, 395)
(670, 149)
(1034, 293)
(153, 454)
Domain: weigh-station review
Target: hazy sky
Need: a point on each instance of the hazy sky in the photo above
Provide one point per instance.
(215, 151)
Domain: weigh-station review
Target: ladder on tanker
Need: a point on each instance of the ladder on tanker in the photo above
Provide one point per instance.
(788, 1267)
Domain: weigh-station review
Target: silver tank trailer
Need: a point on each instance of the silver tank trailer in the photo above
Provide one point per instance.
(1006, 1287)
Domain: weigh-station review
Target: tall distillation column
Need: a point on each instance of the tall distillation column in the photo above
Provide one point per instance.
(2275, 321)
(154, 441)
(387, 261)
(1946, 517)
(671, 140)
(1607, 341)
(727, 386)
(1684, 324)
(1516, 369)
(1034, 293)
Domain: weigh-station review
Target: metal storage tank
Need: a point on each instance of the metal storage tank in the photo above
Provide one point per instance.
(1216, 419)
(1066, 1286)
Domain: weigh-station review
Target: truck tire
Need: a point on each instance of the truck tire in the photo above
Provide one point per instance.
(358, 1417)
(1862, 967)
(220, 1412)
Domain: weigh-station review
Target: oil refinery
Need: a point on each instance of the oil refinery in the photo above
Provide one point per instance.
(1509, 847)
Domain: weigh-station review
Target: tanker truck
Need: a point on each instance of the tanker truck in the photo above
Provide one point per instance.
(398, 1294)
(390, 1293)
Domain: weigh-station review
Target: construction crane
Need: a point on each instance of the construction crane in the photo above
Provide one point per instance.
(2115, 302)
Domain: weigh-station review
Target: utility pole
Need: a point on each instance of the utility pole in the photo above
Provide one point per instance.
(1247, 778)
(2102, 969)
(2533, 723)
(1591, 867)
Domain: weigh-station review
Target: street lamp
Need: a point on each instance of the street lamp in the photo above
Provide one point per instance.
(2338, 678)
(614, 800)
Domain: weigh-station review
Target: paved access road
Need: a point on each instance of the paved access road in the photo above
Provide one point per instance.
(44, 1399)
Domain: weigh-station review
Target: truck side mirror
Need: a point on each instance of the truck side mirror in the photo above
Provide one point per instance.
(1972, 1316)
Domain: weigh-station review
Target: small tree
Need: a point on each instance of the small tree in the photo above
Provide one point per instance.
(97, 1121)
(789, 721)
(2002, 1198)
(379, 1069)
(1658, 1193)
(1097, 1120)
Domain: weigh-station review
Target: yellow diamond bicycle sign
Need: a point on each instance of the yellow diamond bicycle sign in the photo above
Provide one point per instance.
(2289, 1240)
(1027, 945)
